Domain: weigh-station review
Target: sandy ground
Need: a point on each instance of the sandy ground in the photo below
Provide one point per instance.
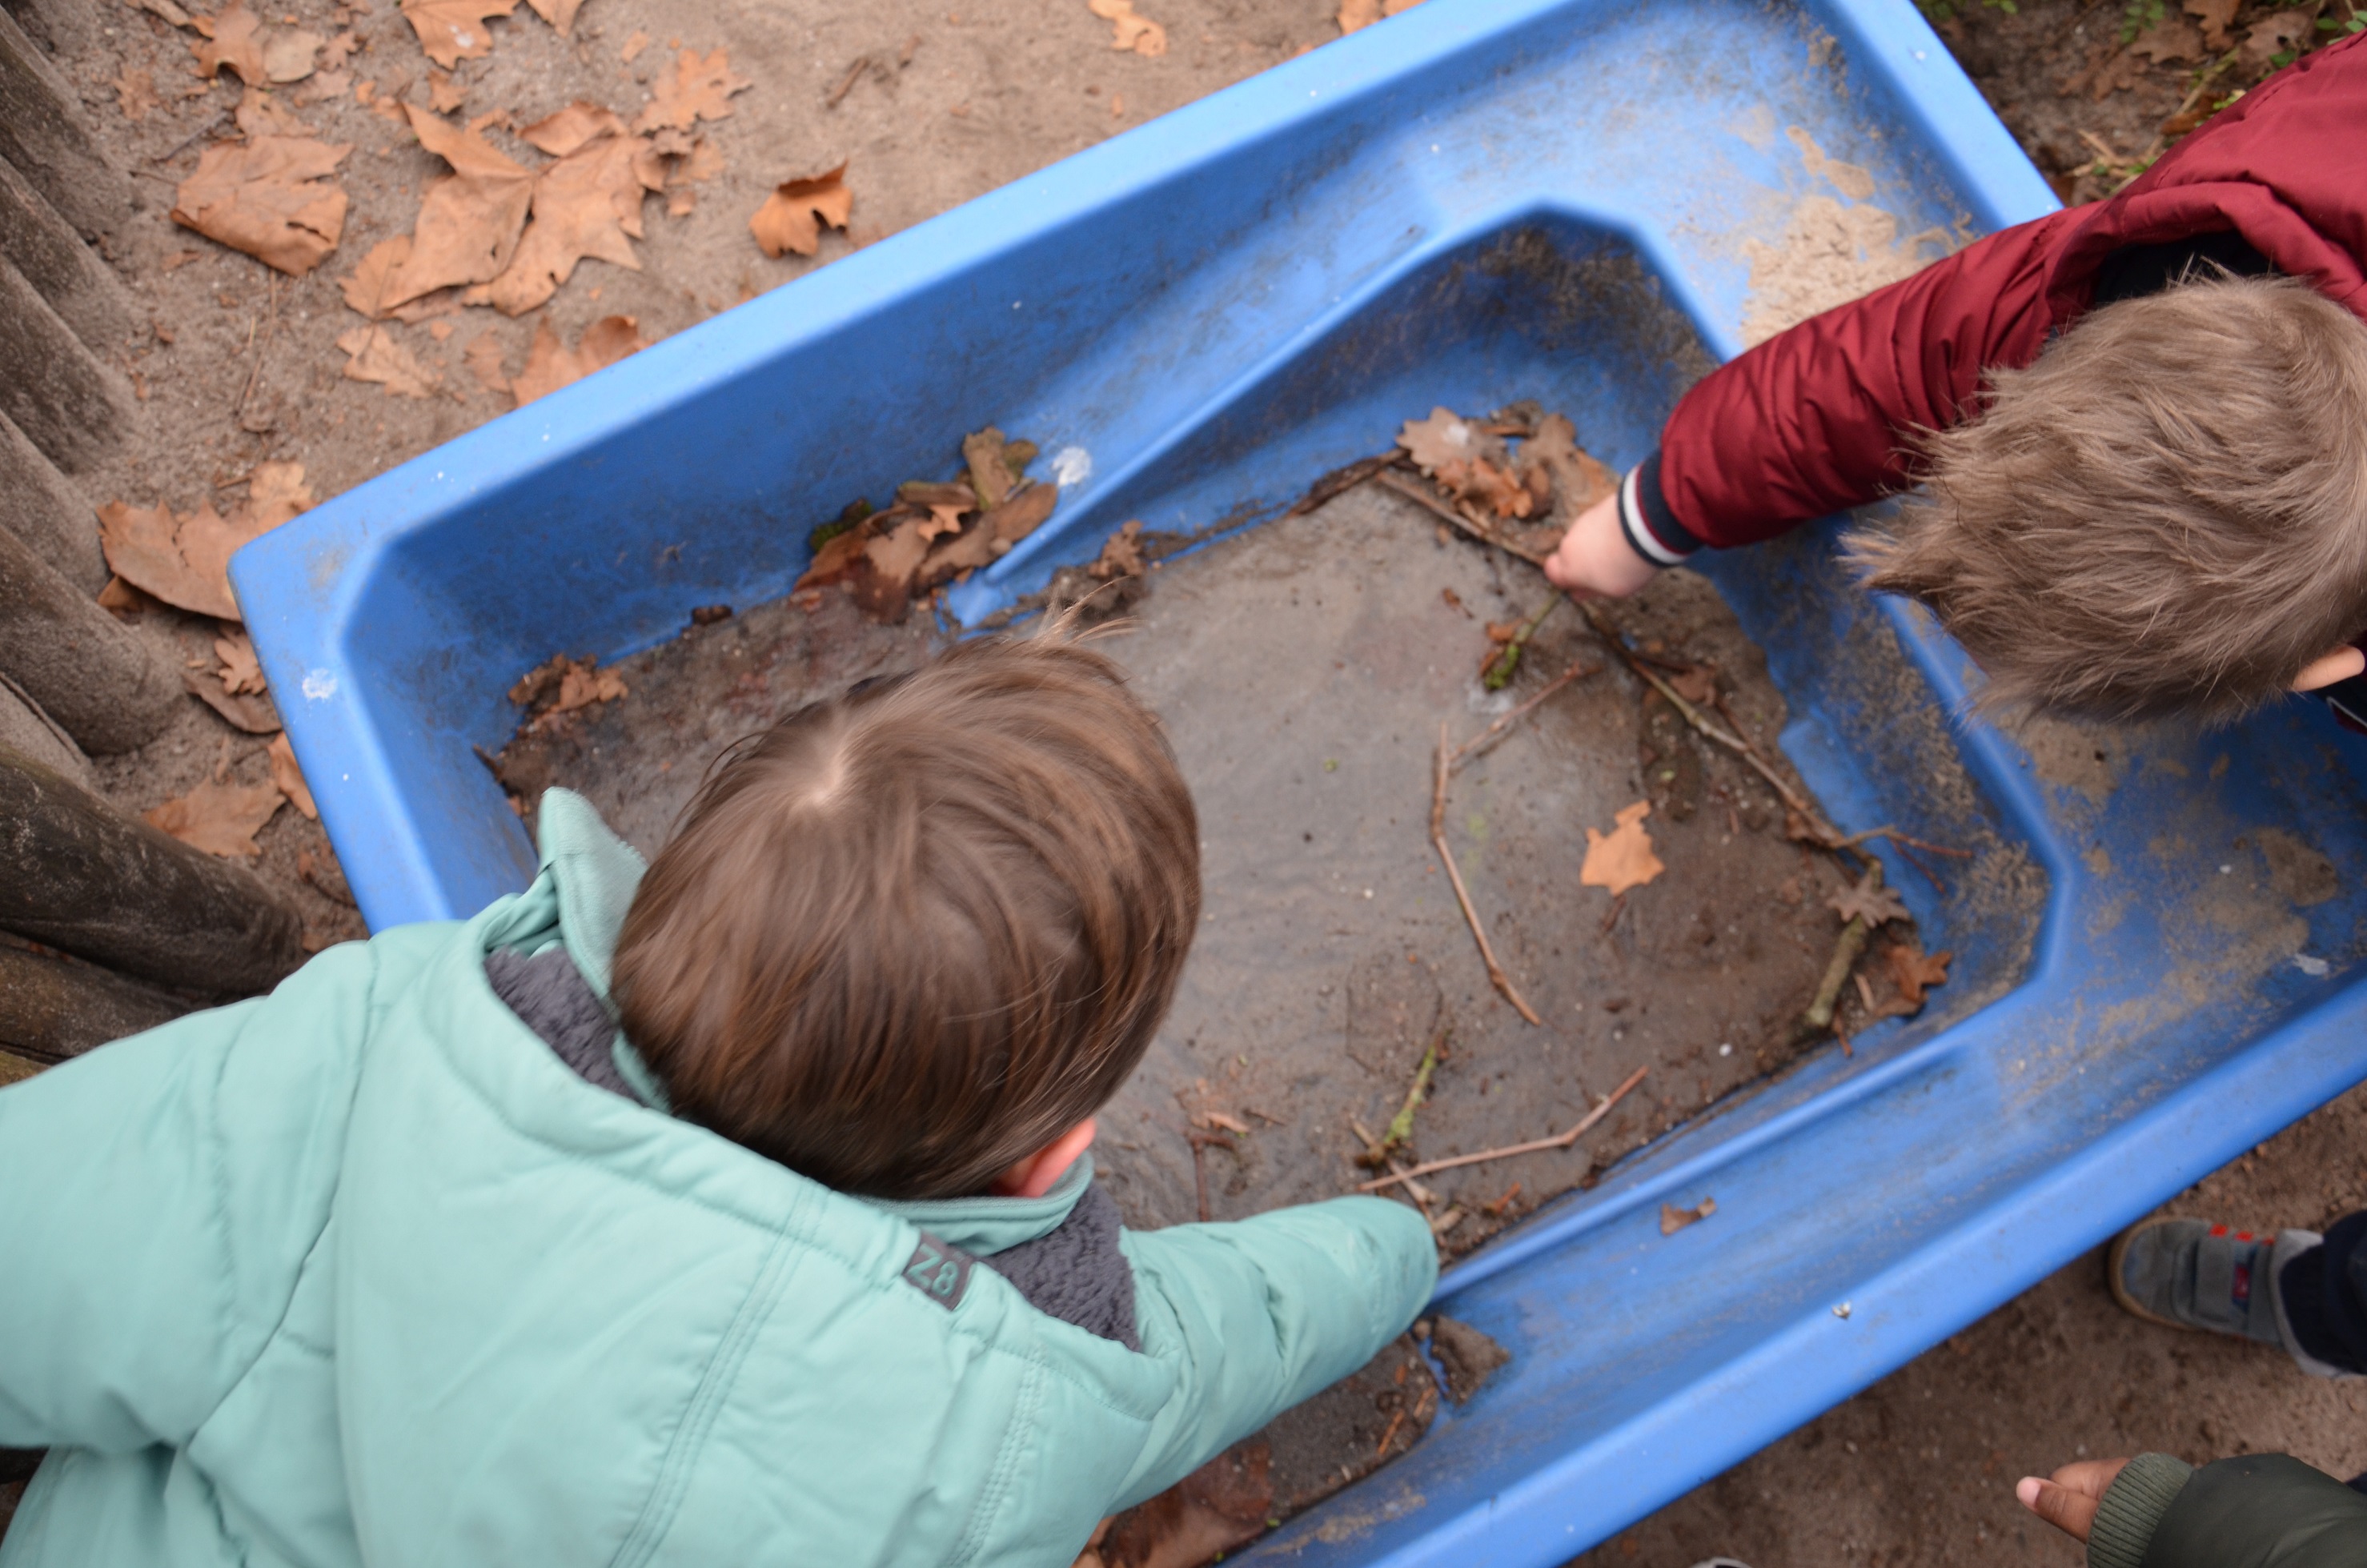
(964, 96)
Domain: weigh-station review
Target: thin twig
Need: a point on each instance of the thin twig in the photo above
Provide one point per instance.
(1339, 481)
(1848, 948)
(1487, 738)
(1390, 1436)
(270, 329)
(1414, 493)
(1535, 1145)
(1506, 663)
(1200, 1142)
(182, 145)
(1496, 976)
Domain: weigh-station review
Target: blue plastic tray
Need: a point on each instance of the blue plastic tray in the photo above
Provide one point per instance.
(1215, 307)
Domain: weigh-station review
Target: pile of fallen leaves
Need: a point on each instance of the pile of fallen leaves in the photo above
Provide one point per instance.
(934, 532)
(563, 685)
(1516, 478)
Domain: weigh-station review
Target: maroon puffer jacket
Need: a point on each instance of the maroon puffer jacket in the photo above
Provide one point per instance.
(1818, 418)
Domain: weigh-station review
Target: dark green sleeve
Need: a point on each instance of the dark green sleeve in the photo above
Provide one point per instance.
(2257, 1511)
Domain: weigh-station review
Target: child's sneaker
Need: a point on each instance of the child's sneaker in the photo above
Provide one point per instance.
(2195, 1274)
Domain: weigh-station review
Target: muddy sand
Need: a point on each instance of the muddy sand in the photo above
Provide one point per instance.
(1303, 669)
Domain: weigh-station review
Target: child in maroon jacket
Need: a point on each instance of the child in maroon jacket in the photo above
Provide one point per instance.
(2140, 427)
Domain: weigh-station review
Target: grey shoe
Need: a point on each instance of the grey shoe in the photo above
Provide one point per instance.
(2195, 1274)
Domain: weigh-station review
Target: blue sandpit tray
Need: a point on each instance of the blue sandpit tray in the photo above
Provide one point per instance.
(1203, 315)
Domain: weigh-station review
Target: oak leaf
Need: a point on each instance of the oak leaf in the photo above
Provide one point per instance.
(697, 89)
(220, 818)
(454, 30)
(550, 366)
(2216, 17)
(1622, 858)
(1446, 437)
(269, 196)
(1494, 489)
(2172, 40)
(588, 204)
(793, 217)
(289, 778)
(1128, 30)
(240, 673)
(373, 355)
(2284, 32)
(1578, 480)
(1869, 900)
(559, 13)
(1914, 972)
(234, 42)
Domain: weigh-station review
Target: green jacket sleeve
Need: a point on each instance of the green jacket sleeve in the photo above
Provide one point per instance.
(162, 1193)
(2260, 1510)
(1259, 1314)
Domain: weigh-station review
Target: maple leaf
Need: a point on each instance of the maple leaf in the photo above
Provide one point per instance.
(454, 30)
(135, 93)
(1914, 972)
(220, 818)
(1128, 30)
(1622, 858)
(1446, 437)
(367, 287)
(269, 198)
(587, 204)
(698, 89)
(561, 133)
(339, 49)
(469, 222)
(484, 359)
(559, 13)
(240, 673)
(444, 95)
(793, 217)
(373, 355)
(1869, 900)
(549, 366)
(234, 42)
(289, 778)
(183, 560)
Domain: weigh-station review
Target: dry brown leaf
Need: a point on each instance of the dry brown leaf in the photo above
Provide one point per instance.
(587, 204)
(454, 30)
(289, 778)
(1446, 437)
(269, 196)
(560, 684)
(1622, 858)
(234, 42)
(1579, 480)
(469, 222)
(124, 602)
(549, 366)
(274, 492)
(1217, 1507)
(2171, 40)
(367, 288)
(702, 163)
(1128, 30)
(261, 114)
(240, 673)
(135, 93)
(220, 818)
(559, 13)
(633, 47)
(1673, 1219)
(339, 49)
(1359, 14)
(484, 359)
(289, 56)
(252, 712)
(696, 90)
(1494, 489)
(561, 133)
(373, 355)
(1914, 972)
(444, 95)
(2216, 17)
(2286, 32)
(183, 560)
(793, 217)
(1869, 900)
(324, 86)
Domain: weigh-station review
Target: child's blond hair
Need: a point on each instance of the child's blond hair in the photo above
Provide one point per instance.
(2166, 512)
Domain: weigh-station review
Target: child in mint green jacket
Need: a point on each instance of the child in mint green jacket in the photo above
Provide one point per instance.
(738, 1213)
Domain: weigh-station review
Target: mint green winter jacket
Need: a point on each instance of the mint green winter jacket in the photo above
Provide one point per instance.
(360, 1272)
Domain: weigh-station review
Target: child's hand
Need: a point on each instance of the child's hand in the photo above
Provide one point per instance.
(2069, 1499)
(1595, 558)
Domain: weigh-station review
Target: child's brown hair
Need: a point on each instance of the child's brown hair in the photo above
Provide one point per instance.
(906, 939)
(2166, 512)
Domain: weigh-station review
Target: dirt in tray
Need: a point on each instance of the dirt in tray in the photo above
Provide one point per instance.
(1337, 1022)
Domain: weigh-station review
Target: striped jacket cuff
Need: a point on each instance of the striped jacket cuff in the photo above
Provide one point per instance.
(1645, 518)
